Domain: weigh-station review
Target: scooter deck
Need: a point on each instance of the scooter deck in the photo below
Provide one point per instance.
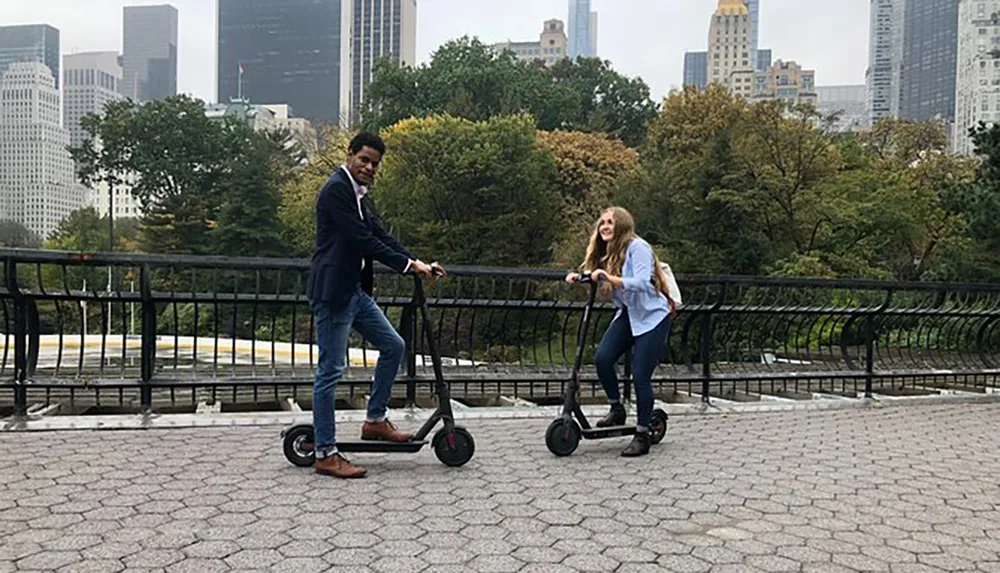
(610, 432)
(382, 447)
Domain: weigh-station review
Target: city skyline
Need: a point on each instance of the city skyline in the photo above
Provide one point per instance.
(835, 44)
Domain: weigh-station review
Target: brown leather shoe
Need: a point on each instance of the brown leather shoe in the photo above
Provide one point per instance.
(384, 431)
(337, 466)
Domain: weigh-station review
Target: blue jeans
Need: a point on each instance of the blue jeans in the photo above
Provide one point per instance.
(648, 349)
(333, 326)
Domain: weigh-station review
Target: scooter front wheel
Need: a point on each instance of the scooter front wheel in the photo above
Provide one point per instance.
(455, 448)
(562, 437)
(659, 426)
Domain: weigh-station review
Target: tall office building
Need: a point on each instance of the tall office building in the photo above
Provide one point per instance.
(754, 7)
(90, 79)
(30, 43)
(977, 96)
(380, 29)
(729, 35)
(929, 57)
(294, 52)
(582, 31)
(763, 60)
(37, 185)
(696, 69)
(885, 53)
(149, 53)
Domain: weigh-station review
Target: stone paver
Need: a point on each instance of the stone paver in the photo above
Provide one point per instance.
(904, 488)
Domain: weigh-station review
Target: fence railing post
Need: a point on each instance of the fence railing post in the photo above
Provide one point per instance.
(148, 335)
(706, 354)
(869, 353)
(20, 339)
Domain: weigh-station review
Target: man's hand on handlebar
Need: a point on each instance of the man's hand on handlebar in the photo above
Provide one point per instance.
(422, 268)
(433, 270)
(573, 278)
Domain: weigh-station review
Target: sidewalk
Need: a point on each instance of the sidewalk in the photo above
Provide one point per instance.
(898, 489)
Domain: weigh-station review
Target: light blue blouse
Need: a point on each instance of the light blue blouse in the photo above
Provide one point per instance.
(647, 306)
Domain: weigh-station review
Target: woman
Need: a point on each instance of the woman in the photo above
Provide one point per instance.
(620, 258)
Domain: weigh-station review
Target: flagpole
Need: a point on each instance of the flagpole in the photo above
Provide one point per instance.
(240, 83)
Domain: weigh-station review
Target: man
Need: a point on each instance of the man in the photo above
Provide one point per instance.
(341, 281)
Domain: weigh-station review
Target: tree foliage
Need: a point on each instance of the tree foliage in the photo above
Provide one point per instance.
(203, 186)
(468, 79)
(470, 192)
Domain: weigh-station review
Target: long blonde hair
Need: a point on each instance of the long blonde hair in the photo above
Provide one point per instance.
(610, 256)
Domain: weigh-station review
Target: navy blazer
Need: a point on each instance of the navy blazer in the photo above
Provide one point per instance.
(343, 240)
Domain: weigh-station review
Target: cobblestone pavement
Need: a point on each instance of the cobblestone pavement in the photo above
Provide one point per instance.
(899, 489)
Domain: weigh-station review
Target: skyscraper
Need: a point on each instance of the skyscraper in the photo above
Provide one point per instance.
(696, 69)
(885, 52)
(582, 26)
(149, 53)
(30, 43)
(37, 187)
(754, 7)
(729, 34)
(90, 80)
(380, 29)
(294, 52)
(929, 56)
(977, 96)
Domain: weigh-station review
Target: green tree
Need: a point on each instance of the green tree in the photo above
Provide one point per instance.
(204, 186)
(470, 192)
(14, 235)
(468, 79)
(248, 220)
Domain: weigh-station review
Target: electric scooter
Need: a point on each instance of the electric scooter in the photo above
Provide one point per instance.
(564, 433)
(453, 445)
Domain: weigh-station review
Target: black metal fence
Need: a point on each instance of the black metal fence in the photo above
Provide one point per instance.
(121, 332)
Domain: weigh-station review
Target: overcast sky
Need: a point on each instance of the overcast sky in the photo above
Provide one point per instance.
(645, 38)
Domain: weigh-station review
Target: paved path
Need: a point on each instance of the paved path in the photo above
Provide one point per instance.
(899, 489)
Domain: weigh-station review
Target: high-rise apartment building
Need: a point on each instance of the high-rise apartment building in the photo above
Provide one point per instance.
(37, 185)
(149, 52)
(582, 30)
(930, 53)
(729, 59)
(380, 29)
(787, 82)
(30, 43)
(696, 69)
(295, 52)
(885, 53)
(977, 96)
(552, 45)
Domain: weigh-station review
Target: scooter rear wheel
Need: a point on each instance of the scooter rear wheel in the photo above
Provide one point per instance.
(562, 437)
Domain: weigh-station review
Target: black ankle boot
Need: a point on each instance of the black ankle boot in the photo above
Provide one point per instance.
(638, 447)
(616, 417)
